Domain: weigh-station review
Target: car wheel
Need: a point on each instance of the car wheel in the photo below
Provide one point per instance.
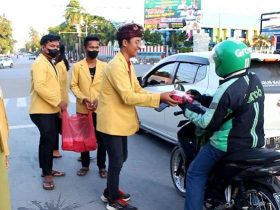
(11, 65)
(140, 131)
(1, 66)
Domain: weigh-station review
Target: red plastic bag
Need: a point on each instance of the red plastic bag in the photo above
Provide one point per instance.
(78, 133)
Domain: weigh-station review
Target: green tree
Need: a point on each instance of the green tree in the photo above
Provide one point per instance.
(74, 13)
(79, 23)
(261, 41)
(33, 45)
(152, 38)
(6, 39)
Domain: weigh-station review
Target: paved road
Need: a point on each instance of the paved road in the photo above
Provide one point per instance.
(145, 175)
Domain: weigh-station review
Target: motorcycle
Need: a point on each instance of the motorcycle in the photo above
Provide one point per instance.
(246, 179)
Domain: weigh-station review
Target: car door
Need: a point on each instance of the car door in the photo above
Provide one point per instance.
(158, 80)
(191, 76)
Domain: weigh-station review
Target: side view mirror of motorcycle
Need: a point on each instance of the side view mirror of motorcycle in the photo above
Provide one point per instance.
(180, 87)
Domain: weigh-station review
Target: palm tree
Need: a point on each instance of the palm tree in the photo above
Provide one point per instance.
(74, 13)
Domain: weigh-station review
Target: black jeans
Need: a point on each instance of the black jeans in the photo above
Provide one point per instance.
(47, 125)
(116, 147)
(101, 151)
(59, 129)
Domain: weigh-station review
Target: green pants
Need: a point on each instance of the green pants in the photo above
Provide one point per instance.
(4, 185)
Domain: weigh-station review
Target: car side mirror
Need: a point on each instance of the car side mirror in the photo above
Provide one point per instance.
(180, 87)
(139, 80)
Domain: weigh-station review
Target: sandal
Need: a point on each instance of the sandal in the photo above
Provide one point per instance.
(48, 184)
(103, 173)
(58, 173)
(82, 171)
(56, 154)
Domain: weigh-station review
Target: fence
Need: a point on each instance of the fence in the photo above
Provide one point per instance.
(147, 54)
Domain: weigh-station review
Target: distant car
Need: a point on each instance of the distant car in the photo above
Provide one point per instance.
(32, 57)
(6, 62)
(134, 60)
(197, 71)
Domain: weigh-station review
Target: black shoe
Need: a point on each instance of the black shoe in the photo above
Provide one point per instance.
(119, 205)
(123, 196)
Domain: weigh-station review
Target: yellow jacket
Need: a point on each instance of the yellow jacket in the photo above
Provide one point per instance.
(45, 88)
(116, 114)
(63, 80)
(4, 128)
(82, 85)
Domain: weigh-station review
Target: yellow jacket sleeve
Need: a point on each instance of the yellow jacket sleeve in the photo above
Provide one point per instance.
(63, 80)
(4, 128)
(74, 85)
(99, 77)
(40, 80)
(120, 81)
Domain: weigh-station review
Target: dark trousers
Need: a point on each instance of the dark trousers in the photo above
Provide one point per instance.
(116, 147)
(197, 176)
(47, 125)
(59, 129)
(101, 151)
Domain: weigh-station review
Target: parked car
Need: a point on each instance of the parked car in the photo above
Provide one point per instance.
(31, 57)
(197, 71)
(6, 62)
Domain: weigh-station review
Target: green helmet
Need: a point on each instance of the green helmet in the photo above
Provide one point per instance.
(231, 56)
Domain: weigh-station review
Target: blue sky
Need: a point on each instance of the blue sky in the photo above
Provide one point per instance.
(41, 14)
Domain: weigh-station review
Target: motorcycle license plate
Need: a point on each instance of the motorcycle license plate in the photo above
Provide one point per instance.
(277, 198)
(273, 143)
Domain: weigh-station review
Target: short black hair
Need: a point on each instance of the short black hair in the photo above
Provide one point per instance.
(49, 38)
(90, 38)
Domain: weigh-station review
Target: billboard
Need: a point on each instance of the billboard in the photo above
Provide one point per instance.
(160, 14)
(270, 23)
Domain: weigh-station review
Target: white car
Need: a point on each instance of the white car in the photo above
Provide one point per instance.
(6, 62)
(197, 71)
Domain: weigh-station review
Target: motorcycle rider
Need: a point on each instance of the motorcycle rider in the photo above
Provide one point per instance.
(233, 119)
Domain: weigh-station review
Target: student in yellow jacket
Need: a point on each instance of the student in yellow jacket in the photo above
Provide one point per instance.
(4, 152)
(116, 114)
(45, 105)
(86, 80)
(62, 67)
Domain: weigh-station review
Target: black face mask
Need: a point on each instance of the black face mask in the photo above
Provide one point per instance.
(92, 54)
(53, 53)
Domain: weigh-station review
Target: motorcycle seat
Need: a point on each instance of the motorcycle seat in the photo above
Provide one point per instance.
(252, 156)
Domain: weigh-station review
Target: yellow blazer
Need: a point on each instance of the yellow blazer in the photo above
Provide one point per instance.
(4, 128)
(116, 114)
(45, 88)
(82, 85)
(63, 80)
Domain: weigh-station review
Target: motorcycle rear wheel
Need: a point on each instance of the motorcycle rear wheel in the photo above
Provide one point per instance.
(261, 198)
(178, 170)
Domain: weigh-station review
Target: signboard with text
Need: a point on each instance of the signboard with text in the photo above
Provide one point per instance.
(160, 14)
(270, 23)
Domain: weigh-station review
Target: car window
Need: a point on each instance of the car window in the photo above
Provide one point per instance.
(269, 74)
(162, 76)
(190, 73)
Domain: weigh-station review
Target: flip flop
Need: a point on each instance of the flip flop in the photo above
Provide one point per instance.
(82, 172)
(103, 173)
(48, 185)
(58, 173)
